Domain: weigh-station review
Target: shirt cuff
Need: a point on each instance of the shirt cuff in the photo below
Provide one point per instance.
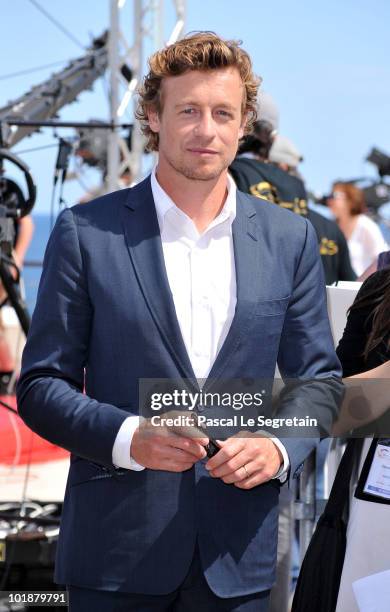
(282, 472)
(121, 449)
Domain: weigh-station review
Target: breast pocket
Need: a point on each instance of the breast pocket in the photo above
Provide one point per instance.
(271, 308)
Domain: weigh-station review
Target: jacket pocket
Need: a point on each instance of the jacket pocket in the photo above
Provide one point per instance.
(269, 308)
(82, 471)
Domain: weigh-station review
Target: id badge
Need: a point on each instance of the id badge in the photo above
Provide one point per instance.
(374, 481)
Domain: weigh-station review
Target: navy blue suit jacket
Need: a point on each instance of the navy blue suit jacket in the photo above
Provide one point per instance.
(105, 318)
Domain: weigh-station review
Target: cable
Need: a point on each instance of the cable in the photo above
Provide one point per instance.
(8, 407)
(30, 70)
(56, 23)
(18, 440)
(53, 195)
(18, 347)
(49, 146)
(61, 201)
(27, 475)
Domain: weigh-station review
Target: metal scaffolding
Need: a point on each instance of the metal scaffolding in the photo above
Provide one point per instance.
(148, 36)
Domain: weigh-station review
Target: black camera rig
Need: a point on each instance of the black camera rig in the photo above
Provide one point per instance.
(13, 206)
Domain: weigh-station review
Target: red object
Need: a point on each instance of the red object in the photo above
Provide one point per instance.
(18, 444)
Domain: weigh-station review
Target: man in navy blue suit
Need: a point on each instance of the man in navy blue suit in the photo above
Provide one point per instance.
(180, 277)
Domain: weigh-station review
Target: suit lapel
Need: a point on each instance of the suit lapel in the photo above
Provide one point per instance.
(247, 256)
(144, 244)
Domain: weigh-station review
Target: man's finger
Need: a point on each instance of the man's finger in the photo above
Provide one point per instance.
(256, 476)
(164, 436)
(229, 449)
(254, 480)
(191, 447)
(231, 466)
(177, 455)
(242, 473)
(189, 431)
(173, 465)
(162, 446)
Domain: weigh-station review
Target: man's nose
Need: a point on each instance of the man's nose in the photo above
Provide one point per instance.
(206, 125)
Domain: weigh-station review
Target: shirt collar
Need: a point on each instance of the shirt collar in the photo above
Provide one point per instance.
(164, 203)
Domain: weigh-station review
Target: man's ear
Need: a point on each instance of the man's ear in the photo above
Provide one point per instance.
(154, 120)
(241, 131)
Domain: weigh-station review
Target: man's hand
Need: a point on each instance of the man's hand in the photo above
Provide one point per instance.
(174, 449)
(246, 461)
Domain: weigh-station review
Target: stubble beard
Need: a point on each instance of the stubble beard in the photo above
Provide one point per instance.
(193, 173)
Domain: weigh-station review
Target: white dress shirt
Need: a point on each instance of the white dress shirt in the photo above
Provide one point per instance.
(202, 278)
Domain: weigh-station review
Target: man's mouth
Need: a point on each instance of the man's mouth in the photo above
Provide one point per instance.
(202, 151)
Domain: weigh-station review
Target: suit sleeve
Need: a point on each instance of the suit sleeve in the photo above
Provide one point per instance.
(50, 389)
(307, 359)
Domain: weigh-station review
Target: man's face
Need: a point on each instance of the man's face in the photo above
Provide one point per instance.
(200, 123)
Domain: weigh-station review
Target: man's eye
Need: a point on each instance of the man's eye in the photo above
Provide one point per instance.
(224, 113)
(188, 111)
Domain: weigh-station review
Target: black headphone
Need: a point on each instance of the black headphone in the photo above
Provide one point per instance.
(24, 205)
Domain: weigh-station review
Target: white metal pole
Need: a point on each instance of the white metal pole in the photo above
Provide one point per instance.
(137, 140)
(113, 65)
(158, 24)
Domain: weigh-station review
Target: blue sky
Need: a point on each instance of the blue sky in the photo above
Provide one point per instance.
(326, 65)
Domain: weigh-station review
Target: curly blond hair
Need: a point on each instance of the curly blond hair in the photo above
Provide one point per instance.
(197, 51)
